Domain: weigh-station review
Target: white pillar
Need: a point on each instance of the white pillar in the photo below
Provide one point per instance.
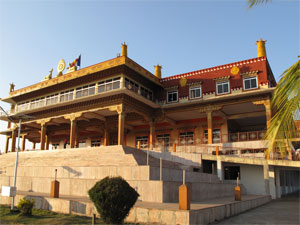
(88, 142)
(272, 182)
(61, 144)
(220, 169)
(277, 177)
(266, 179)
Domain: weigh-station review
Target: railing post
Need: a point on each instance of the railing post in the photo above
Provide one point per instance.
(160, 168)
(174, 147)
(217, 150)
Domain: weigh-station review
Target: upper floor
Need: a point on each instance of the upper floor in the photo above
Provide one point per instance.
(123, 75)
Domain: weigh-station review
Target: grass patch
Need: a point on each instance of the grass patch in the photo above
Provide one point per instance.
(40, 216)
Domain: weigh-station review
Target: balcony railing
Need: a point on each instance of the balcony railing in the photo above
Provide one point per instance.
(246, 136)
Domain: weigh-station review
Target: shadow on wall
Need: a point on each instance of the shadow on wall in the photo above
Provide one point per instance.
(70, 170)
(56, 206)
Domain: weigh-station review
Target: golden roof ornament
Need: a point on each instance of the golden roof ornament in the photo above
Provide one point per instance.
(49, 76)
(11, 87)
(235, 70)
(60, 67)
(183, 82)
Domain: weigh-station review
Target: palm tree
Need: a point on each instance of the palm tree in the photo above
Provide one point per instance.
(256, 2)
(285, 104)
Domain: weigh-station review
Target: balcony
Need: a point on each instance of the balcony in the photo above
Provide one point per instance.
(246, 136)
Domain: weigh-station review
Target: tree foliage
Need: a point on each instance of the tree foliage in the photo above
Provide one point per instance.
(113, 198)
(25, 206)
(286, 105)
(252, 3)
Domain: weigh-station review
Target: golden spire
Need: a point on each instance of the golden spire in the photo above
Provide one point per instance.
(261, 48)
(124, 49)
(157, 71)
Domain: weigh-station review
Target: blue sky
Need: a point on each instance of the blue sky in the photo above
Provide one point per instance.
(182, 36)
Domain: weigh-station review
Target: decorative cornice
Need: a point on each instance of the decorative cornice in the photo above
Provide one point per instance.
(193, 84)
(225, 78)
(250, 73)
(172, 88)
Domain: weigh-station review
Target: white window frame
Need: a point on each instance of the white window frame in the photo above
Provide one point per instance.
(186, 138)
(163, 139)
(66, 96)
(194, 88)
(250, 78)
(144, 140)
(51, 99)
(172, 92)
(222, 83)
(109, 84)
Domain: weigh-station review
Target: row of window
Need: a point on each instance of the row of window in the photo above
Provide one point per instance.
(185, 138)
(221, 87)
(103, 86)
(131, 85)
(65, 96)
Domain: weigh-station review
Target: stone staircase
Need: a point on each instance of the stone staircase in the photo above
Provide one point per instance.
(79, 169)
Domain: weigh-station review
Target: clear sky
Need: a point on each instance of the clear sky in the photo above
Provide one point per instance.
(182, 36)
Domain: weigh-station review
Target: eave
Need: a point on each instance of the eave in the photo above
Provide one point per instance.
(109, 64)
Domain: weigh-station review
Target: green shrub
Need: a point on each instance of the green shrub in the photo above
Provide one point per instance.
(113, 198)
(26, 206)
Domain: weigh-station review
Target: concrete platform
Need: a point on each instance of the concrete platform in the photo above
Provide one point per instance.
(203, 212)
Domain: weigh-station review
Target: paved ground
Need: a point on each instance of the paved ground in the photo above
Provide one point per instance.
(283, 211)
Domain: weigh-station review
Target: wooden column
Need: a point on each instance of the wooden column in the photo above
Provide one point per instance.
(7, 144)
(209, 127)
(13, 140)
(121, 124)
(106, 136)
(268, 113)
(33, 145)
(225, 137)
(43, 136)
(152, 134)
(47, 142)
(23, 143)
(73, 132)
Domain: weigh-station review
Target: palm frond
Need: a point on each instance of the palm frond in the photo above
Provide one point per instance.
(252, 3)
(286, 105)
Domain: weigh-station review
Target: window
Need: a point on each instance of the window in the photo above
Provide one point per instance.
(163, 139)
(23, 106)
(186, 138)
(231, 172)
(146, 93)
(66, 96)
(109, 85)
(195, 92)
(172, 96)
(55, 146)
(216, 136)
(223, 88)
(96, 143)
(36, 103)
(250, 83)
(85, 90)
(51, 99)
(131, 85)
(143, 140)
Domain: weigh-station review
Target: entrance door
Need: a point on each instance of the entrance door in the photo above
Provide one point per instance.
(113, 139)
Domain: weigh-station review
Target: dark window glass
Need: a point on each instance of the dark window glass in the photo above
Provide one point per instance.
(231, 172)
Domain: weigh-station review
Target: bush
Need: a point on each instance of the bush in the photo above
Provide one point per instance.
(113, 198)
(26, 206)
